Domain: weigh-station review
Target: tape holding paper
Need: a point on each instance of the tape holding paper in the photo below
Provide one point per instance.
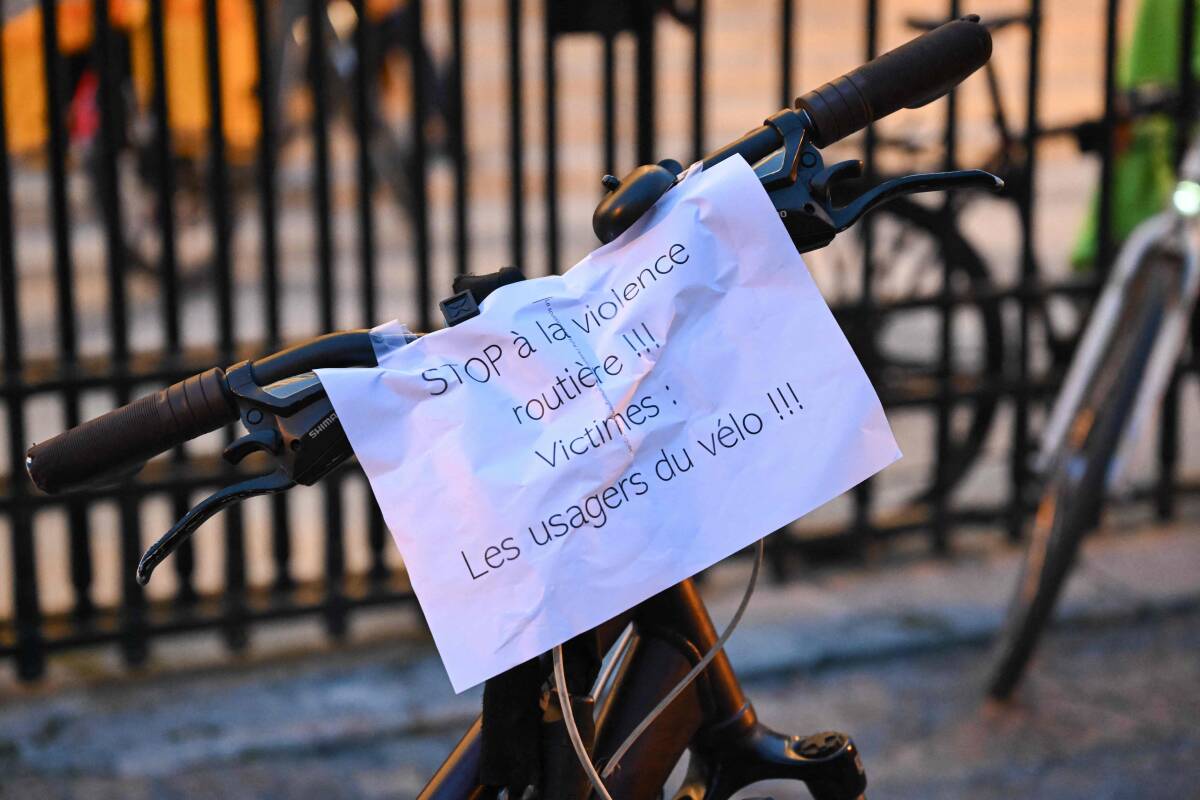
(389, 337)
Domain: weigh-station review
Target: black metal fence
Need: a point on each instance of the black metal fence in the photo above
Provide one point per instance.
(137, 249)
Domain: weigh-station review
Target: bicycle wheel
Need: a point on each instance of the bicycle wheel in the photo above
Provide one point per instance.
(912, 248)
(1071, 503)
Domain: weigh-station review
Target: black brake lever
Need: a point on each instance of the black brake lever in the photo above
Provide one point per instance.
(796, 179)
(293, 423)
(845, 216)
(277, 481)
(801, 187)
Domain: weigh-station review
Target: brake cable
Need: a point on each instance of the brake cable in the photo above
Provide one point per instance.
(560, 685)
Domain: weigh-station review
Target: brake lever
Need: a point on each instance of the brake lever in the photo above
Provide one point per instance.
(293, 423)
(845, 216)
(277, 481)
(797, 181)
(801, 186)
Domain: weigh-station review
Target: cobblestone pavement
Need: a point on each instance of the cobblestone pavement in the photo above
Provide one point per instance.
(891, 654)
(1110, 712)
(1107, 713)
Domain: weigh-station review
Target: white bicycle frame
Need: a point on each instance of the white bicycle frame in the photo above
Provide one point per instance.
(1178, 229)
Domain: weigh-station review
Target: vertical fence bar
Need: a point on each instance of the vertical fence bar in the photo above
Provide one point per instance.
(168, 278)
(281, 543)
(1019, 454)
(30, 656)
(458, 140)
(336, 616)
(516, 160)
(364, 48)
(864, 492)
(270, 100)
(787, 21)
(376, 539)
(1186, 78)
(218, 184)
(950, 126)
(1168, 442)
(646, 96)
(56, 142)
(318, 66)
(133, 601)
(776, 547)
(416, 45)
(698, 82)
(420, 83)
(64, 274)
(168, 269)
(550, 122)
(1105, 239)
(64, 283)
(234, 628)
(1168, 449)
(364, 119)
(609, 135)
(939, 529)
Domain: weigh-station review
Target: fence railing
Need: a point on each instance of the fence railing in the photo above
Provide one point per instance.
(192, 191)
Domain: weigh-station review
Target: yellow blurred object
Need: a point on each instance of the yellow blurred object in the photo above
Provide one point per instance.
(187, 98)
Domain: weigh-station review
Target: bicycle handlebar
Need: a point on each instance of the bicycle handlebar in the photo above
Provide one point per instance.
(119, 442)
(329, 351)
(915, 73)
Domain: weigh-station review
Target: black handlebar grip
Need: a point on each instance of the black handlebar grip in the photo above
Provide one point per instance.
(119, 442)
(910, 76)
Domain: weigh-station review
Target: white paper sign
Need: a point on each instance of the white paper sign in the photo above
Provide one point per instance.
(594, 438)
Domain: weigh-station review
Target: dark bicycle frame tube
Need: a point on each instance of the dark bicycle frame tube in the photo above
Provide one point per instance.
(674, 632)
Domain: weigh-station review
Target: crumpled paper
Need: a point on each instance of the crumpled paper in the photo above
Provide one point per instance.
(593, 438)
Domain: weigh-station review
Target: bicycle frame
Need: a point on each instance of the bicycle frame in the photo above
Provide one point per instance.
(1172, 235)
(730, 747)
